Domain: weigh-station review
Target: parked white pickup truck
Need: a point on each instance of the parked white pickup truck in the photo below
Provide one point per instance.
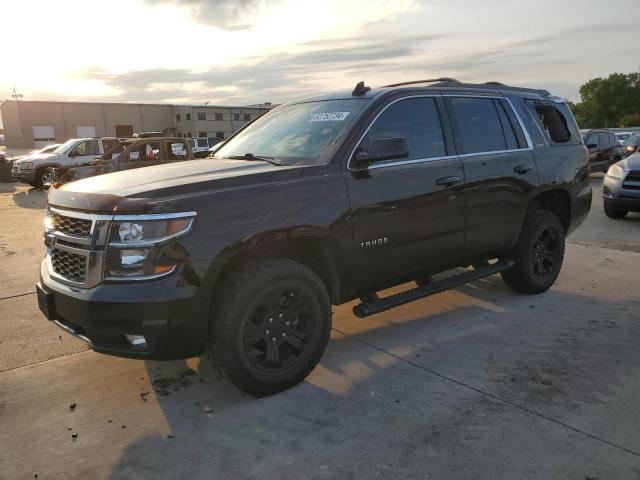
(37, 169)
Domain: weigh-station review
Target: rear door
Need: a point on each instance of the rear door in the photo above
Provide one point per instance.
(407, 214)
(499, 169)
(176, 150)
(143, 154)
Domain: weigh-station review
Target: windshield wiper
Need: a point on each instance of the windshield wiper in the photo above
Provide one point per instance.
(252, 158)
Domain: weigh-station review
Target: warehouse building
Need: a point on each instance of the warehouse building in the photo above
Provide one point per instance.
(29, 124)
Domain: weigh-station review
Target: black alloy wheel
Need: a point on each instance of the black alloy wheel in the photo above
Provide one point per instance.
(278, 334)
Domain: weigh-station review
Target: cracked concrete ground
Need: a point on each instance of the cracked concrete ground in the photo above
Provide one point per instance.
(473, 383)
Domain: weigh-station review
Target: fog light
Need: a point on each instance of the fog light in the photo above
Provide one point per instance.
(137, 340)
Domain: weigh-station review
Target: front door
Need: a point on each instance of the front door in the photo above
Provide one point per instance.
(408, 213)
(499, 169)
(84, 152)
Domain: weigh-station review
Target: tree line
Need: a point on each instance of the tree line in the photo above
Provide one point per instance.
(609, 102)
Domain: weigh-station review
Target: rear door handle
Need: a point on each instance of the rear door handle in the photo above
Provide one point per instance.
(447, 181)
(522, 169)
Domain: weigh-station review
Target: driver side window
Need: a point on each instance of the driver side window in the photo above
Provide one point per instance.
(416, 120)
(89, 147)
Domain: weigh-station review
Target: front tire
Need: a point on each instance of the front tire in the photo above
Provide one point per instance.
(44, 178)
(612, 212)
(271, 324)
(538, 255)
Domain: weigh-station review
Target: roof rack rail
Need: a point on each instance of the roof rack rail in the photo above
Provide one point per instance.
(429, 80)
(487, 85)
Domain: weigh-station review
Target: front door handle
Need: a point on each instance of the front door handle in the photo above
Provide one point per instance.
(522, 169)
(447, 181)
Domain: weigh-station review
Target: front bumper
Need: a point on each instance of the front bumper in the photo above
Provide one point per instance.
(169, 317)
(619, 197)
(25, 176)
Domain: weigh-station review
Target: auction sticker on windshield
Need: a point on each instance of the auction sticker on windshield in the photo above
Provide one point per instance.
(329, 117)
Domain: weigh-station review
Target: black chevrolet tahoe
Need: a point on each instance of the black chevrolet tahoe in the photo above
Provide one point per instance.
(318, 202)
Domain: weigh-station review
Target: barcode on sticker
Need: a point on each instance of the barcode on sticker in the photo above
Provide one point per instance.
(329, 117)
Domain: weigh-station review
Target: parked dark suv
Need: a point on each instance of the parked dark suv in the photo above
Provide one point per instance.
(317, 202)
(604, 149)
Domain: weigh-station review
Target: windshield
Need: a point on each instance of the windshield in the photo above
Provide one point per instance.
(297, 134)
(65, 146)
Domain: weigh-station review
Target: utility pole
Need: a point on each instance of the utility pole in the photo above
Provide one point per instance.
(15, 95)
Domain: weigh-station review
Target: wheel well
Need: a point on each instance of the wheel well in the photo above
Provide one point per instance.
(310, 251)
(556, 201)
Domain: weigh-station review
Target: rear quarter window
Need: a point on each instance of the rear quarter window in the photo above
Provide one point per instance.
(556, 122)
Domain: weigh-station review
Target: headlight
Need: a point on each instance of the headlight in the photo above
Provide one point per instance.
(139, 246)
(631, 148)
(615, 171)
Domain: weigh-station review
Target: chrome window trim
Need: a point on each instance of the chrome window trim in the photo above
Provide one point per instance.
(529, 146)
(375, 119)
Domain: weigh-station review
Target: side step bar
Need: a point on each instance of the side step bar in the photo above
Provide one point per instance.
(372, 305)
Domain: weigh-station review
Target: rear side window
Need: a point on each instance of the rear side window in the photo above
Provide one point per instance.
(415, 119)
(555, 121)
(479, 128)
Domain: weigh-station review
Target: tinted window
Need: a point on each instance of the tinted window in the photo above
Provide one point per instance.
(478, 125)
(415, 119)
(203, 142)
(507, 128)
(592, 140)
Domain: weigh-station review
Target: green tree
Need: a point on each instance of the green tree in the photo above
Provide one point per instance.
(630, 120)
(605, 102)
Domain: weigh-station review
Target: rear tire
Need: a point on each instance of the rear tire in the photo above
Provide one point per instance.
(271, 324)
(612, 212)
(538, 255)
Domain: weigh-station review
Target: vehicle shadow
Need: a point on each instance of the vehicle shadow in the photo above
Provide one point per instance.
(30, 198)
(391, 390)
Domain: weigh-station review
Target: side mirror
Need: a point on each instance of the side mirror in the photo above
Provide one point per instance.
(381, 148)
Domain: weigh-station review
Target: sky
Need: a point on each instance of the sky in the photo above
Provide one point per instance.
(237, 52)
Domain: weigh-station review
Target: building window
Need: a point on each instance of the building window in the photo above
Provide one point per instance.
(218, 117)
(189, 135)
(219, 134)
(202, 116)
(177, 117)
(236, 117)
(202, 134)
(188, 116)
(246, 117)
(179, 135)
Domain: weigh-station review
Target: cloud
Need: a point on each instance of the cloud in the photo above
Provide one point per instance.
(279, 76)
(223, 14)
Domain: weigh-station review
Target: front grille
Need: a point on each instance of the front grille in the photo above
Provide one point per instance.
(69, 265)
(632, 182)
(74, 227)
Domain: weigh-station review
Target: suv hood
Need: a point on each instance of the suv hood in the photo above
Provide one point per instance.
(103, 192)
(36, 156)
